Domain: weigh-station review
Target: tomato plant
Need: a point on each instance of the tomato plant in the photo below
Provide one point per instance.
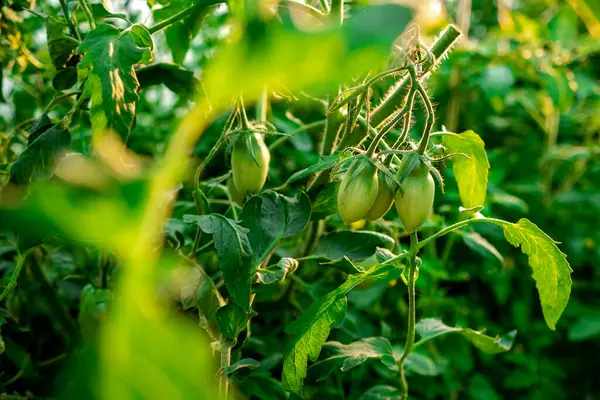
(250, 200)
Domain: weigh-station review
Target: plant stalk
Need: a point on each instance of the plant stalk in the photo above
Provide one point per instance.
(180, 15)
(225, 362)
(88, 13)
(410, 333)
(72, 28)
(441, 46)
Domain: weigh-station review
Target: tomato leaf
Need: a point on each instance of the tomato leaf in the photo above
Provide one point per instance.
(65, 79)
(356, 245)
(234, 252)
(270, 217)
(60, 45)
(551, 271)
(111, 54)
(100, 12)
(431, 328)
(278, 272)
(326, 162)
(178, 79)
(46, 146)
(311, 329)
(232, 320)
(471, 173)
(347, 356)
(180, 34)
(197, 290)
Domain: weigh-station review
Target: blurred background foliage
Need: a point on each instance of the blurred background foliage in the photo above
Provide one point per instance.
(525, 77)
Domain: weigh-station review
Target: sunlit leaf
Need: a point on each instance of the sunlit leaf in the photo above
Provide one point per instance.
(431, 328)
(471, 173)
(112, 83)
(278, 272)
(311, 329)
(551, 271)
(344, 357)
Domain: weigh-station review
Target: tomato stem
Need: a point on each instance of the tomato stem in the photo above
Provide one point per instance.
(410, 333)
(441, 46)
(180, 15)
(215, 149)
(88, 13)
(72, 29)
(243, 115)
(430, 113)
(225, 362)
(393, 121)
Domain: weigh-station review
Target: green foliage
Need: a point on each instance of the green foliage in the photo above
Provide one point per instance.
(470, 166)
(112, 84)
(431, 328)
(132, 267)
(551, 271)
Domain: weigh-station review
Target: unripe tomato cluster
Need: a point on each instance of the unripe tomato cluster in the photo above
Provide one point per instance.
(365, 193)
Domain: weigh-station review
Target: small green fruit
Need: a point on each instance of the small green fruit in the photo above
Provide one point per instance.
(414, 206)
(357, 195)
(250, 174)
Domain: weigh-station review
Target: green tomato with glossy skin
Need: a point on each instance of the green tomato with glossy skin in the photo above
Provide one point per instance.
(250, 174)
(357, 195)
(414, 206)
(383, 201)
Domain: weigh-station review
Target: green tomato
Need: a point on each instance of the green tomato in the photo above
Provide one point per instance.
(357, 195)
(415, 205)
(236, 196)
(383, 202)
(250, 174)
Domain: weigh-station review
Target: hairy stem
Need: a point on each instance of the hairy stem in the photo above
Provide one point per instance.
(410, 333)
(441, 46)
(393, 121)
(430, 117)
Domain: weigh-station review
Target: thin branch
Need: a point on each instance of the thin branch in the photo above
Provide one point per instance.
(88, 13)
